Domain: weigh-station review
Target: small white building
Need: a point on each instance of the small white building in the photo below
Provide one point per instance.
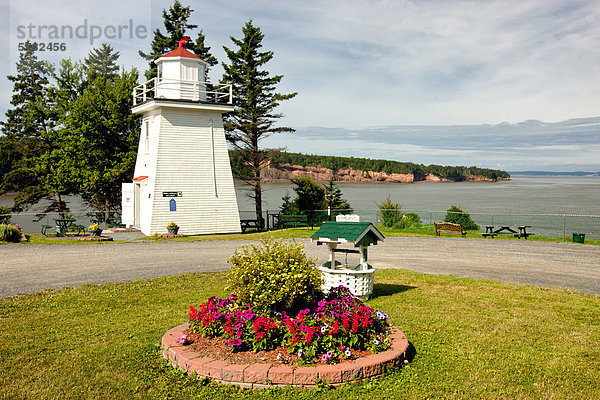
(182, 172)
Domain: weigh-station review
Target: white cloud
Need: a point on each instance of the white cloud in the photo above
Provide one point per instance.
(365, 63)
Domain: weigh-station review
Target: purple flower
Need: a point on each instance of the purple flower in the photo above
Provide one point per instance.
(181, 339)
(375, 342)
(238, 326)
(248, 314)
(300, 353)
(324, 358)
(278, 356)
(217, 315)
(329, 354)
(381, 315)
(234, 342)
(347, 353)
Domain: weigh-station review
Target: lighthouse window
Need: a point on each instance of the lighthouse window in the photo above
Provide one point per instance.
(189, 73)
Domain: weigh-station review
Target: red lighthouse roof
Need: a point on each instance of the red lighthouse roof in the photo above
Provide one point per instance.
(181, 50)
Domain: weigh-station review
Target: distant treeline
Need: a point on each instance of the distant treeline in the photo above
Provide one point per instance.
(390, 167)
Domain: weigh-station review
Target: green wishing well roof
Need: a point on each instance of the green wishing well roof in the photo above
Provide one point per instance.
(350, 231)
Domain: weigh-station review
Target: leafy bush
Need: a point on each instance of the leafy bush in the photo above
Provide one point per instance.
(457, 216)
(410, 220)
(275, 277)
(9, 233)
(330, 330)
(5, 214)
(390, 213)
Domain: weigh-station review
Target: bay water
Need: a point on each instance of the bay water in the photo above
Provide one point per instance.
(520, 195)
(539, 201)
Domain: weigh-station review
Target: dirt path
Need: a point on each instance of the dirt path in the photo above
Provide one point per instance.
(31, 268)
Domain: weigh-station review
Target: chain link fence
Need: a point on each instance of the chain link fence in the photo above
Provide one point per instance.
(550, 225)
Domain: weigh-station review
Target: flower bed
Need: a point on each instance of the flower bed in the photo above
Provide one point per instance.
(334, 329)
(261, 373)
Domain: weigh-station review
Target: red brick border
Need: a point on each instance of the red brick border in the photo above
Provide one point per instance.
(260, 376)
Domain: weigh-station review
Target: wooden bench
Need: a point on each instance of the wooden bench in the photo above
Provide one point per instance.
(289, 221)
(249, 223)
(447, 227)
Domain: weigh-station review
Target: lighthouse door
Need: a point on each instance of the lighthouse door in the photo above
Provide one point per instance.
(128, 204)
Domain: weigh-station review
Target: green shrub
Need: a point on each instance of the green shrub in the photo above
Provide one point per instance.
(390, 213)
(457, 216)
(410, 220)
(5, 215)
(276, 276)
(9, 233)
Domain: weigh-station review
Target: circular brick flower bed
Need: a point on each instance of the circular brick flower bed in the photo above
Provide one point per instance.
(259, 376)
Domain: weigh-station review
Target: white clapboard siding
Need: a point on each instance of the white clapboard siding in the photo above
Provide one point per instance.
(182, 161)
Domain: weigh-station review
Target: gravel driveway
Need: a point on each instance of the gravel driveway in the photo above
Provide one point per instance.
(31, 268)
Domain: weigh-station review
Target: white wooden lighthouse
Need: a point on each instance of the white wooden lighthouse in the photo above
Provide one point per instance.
(182, 172)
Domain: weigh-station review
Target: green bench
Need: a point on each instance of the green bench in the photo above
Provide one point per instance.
(292, 221)
(45, 229)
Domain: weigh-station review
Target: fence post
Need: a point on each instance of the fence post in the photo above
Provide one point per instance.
(564, 228)
(430, 221)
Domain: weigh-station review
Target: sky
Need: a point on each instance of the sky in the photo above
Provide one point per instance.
(371, 71)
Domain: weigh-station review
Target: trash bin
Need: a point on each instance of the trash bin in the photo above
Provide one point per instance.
(578, 237)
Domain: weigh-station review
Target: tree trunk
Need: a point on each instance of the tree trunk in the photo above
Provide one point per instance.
(59, 204)
(106, 213)
(258, 201)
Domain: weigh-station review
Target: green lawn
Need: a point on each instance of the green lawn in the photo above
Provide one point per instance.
(424, 231)
(473, 339)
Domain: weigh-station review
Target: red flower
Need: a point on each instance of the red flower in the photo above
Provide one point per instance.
(345, 322)
(336, 327)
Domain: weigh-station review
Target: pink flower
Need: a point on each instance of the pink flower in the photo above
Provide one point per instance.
(181, 339)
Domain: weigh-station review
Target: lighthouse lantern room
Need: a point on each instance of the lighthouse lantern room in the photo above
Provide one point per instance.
(182, 172)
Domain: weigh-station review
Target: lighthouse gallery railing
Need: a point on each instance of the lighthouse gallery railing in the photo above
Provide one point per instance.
(185, 90)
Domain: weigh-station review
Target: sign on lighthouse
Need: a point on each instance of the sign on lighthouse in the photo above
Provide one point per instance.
(182, 171)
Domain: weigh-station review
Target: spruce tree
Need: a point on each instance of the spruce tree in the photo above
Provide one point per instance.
(30, 128)
(176, 26)
(255, 100)
(333, 194)
(30, 119)
(102, 61)
(310, 196)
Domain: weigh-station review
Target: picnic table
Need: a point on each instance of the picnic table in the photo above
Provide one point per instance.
(248, 223)
(507, 230)
(63, 225)
(523, 232)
